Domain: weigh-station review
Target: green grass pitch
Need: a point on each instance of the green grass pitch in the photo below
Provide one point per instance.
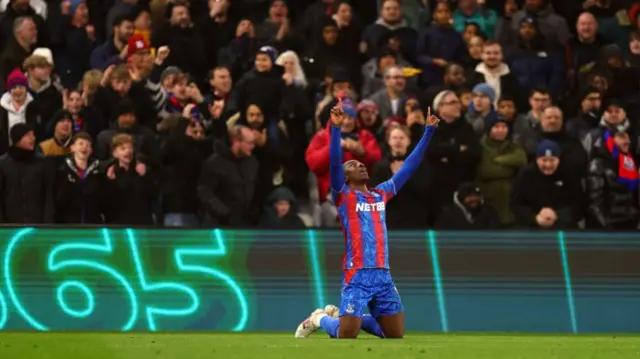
(77, 345)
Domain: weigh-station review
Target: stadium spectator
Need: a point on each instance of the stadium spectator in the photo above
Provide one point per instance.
(325, 53)
(26, 181)
(539, 99)
(280, 211)
(452, 156)
(493, 71)
(481, 111)
(59, 144)
(401, 209)
(534, 61)
(573, 155)
(390, 99)
(546, 194)
(227, 181)
(19, 46)
(468, 211)
(218, 28)
(239, 54)
(357, 144)
(553, 27)
(438, 45)
(114, 51)
(585, 47)
(454, 78)
(474, 12)
(390, 25)
(125, 122)
(614, 118)
(129, 189)
(612, 184)
(182, 155)
(502, 158)
(74, 41)
(589, 114)
(15, 108)
(42, 85)
(374, 69)
(13, 20)
(518, 124)
(79, 197)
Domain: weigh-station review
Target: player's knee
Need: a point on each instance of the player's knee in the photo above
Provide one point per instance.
(348, 333)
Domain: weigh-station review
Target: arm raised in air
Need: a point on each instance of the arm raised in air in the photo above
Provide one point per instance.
(412, 163)
(335, 150)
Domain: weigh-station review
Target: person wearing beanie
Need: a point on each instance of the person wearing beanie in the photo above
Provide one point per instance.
(502, 159)
(547, 194)
(16, 106)
(79, 191)
(167, 76)
(76, 41)
(26, 181)
(551, 127)
(481, 108)
(589, 114)
(60, 143)
(614, 118)
(535, 61)
(357, 143)
(125, 121)
(469, 211)
(612, 184)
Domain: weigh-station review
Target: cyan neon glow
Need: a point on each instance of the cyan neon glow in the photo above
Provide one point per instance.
(4, 311)
(77, 313)
(13, 242)
(567, 282)
(217, 250)
(437, 280)
(106, 247)
(315, 268)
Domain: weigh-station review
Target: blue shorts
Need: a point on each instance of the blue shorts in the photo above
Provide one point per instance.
(369, 288)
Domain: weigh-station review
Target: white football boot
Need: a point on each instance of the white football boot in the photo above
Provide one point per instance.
(310, 325)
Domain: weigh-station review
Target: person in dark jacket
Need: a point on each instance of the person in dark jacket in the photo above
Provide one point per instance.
(16, 107)
(454, 79)
(325, 53)
(281, 211)
(60, 144)
(546, 195)
(406, 209)
(390, 25)
(78, 186)
(114, 50)
(26, 181)
(551, 127)
(612, 185)
(227, 182)
(42, 86)
(145, 143)
(534, 62)
(438, 45)
(129, 188)
(453, 154)
(250, 89)
(19, 46)
(182, 157)
(589, 114)
(468, 211)
(21, 9)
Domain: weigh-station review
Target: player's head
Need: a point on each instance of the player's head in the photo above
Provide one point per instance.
(355, 172)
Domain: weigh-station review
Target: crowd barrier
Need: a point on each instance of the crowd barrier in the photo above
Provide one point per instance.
(175, 280)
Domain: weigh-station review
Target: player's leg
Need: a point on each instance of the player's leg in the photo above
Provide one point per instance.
(369, 323)
(310, 325)
(387, 307)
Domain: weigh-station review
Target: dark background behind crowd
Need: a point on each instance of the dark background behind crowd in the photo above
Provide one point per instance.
(215, 113)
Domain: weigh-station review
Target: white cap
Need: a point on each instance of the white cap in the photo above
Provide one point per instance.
(46, 53)
(439, 98)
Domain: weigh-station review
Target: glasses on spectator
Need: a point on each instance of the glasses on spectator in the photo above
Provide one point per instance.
(452, 102)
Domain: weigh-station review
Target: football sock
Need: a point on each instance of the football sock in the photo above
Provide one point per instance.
(371, 326)
(330, 325)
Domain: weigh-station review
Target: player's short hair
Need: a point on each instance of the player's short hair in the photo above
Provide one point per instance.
(81, 136)
(121, 140)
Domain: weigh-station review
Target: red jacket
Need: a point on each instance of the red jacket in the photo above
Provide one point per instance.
(317, 156)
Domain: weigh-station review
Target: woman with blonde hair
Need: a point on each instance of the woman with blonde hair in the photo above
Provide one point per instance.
(293, 72)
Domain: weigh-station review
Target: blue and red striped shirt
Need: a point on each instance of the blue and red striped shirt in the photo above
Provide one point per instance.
(363, 213)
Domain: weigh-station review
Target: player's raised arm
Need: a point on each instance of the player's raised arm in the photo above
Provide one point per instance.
(335, 148)
(414, 159)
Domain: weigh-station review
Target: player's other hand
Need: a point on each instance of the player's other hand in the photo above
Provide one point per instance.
(432, 120)
(337, 116)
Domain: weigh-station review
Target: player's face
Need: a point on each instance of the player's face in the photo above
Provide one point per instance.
(355, 171)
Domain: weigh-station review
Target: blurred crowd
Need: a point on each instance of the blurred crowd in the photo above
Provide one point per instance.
(215, 113)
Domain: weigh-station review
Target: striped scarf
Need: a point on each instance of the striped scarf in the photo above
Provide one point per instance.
(627, 170)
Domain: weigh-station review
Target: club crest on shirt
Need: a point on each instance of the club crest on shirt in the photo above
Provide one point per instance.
(350, 308)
